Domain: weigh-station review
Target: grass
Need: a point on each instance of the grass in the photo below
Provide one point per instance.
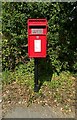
(59, 90)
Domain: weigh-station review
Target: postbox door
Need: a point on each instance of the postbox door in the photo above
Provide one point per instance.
(37, 46)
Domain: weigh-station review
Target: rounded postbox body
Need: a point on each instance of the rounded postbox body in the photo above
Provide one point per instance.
(37, 38)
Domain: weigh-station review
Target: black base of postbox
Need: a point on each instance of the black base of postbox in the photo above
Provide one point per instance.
(36, 88)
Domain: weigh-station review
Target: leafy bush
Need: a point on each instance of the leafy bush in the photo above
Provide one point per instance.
(62, 37)
(23, 74)
(8, 77)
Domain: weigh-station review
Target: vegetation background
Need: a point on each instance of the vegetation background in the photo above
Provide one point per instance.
(59, 66)
(62, 37)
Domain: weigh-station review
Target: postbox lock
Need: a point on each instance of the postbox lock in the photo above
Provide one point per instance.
(37, 37)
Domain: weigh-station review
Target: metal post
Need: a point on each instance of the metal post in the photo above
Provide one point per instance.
(36, 86)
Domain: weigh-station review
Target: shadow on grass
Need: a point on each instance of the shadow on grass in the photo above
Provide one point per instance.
(45, 71)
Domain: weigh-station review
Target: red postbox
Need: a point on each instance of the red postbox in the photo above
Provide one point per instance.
(37, 38)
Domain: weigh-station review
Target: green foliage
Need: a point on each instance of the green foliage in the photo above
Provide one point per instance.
(23, 74)
(8, 77)
(63, 79)
(61, 87)
(62, 37)
(58, 81)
